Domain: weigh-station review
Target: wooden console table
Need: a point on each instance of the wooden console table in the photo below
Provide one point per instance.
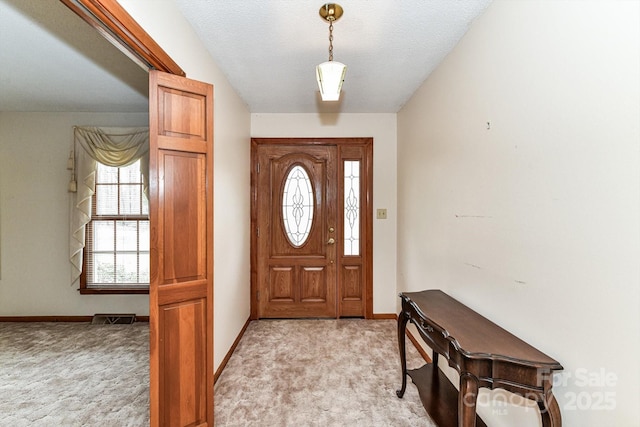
(482, 352)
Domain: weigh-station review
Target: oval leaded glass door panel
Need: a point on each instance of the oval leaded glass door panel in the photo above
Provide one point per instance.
(297, 206)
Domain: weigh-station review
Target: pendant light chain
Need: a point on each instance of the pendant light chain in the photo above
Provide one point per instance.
(331, 40)
(330, 74)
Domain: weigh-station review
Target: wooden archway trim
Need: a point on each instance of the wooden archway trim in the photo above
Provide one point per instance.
(116, 25)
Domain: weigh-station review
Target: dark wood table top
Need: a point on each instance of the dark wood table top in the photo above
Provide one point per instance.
(475, 335)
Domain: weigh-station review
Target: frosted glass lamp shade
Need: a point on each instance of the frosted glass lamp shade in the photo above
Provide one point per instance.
(330, 77)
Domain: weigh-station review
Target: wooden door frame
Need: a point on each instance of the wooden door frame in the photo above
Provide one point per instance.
(115, 24)
(367, 203)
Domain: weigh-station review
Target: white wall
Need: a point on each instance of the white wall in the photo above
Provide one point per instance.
(35, 272)
(165, 23)
(382, 127)
(535, 222)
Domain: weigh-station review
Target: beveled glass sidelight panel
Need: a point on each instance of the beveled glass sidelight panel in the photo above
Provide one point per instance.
(352, 207)
(297, 205)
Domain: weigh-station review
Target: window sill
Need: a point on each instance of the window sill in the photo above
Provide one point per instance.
(112, 291)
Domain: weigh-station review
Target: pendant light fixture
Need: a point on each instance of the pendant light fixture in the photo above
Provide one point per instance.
(330, 74)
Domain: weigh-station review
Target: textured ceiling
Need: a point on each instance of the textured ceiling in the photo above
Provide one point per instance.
(53, 61)
(269, 49)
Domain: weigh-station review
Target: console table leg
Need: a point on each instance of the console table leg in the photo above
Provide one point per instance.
(402, 327)
(550, 411)
(467, 400)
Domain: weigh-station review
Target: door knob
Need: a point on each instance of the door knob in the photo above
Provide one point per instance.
(331, 241)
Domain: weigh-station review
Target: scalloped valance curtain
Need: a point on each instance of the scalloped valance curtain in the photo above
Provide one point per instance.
(111, 146)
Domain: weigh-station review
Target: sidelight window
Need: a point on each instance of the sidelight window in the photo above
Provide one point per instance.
(352, 207)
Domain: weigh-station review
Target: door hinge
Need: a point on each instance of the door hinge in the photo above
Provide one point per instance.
(258, 167)
(258, 296)
(258, 231)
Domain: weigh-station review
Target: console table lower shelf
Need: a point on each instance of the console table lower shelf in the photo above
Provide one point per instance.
(439, 397)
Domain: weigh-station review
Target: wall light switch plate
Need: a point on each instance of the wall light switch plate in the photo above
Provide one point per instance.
(381, 214)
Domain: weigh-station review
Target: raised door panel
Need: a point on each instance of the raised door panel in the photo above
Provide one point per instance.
(184, 120)
(182, 124)
(182, 189)
(281, 284)
(352, 282)
(313, 284)
(183, 355)
(351, 290)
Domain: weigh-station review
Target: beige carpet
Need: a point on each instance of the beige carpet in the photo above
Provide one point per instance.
(318, 373)
(74, 374)
(284, 373)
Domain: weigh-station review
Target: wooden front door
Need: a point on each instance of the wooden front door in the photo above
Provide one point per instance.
(181, 217)
(311, 227)
(296, 226)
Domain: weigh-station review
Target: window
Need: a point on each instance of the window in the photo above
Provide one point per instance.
(351, 207)
(116, 257)
(297, 206)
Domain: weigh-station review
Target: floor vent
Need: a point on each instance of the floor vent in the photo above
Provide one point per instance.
(113, 319)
